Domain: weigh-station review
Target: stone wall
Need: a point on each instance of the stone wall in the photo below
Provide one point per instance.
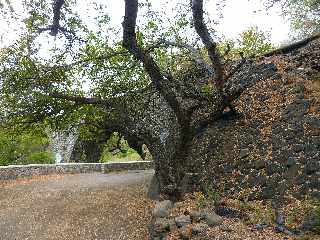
(271, 148)
(21, 171)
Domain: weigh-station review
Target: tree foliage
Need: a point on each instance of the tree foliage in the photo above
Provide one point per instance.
(251, 43)
(27, 146)
(304, 15)
(35, 83)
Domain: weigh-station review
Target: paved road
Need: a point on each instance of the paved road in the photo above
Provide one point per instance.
(83, 207)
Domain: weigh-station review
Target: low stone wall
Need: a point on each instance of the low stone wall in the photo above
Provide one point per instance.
(21, 171)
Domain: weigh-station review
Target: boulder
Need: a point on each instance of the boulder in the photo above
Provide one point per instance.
(212, 219)
(259, 164)
(244, 153)
(154, 189)
(186, 232)
(182, 220)
(162, 208)
(161, 225)
(196, 216)
(199, 228)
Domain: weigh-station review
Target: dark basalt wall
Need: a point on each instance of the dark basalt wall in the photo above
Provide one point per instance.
(272, 146)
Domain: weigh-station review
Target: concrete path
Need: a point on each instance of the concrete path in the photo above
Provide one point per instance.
(83, 207)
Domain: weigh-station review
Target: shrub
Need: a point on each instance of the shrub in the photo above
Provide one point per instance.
(40, 158)
(23, 147)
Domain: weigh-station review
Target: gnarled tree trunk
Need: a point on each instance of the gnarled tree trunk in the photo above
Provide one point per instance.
(150, 118)
(174, 112)
(169, 114)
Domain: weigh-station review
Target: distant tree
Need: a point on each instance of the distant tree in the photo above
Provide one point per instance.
(303, 14)
(250, 43)
(24, 146)
(253, 42)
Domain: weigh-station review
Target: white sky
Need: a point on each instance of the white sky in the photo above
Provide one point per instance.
(238, 16)
(241, 14)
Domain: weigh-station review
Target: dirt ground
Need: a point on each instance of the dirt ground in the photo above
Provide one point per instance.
(83, 207)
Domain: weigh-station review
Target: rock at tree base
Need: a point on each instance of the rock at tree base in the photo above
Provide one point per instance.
(183, 220)
(162, 209)
(199, 228)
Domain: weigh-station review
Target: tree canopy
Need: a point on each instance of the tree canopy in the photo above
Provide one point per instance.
(303, 15)
(38, 84)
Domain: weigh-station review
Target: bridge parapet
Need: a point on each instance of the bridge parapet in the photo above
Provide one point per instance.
(22, 171)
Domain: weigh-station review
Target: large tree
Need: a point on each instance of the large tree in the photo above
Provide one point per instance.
(153, 86)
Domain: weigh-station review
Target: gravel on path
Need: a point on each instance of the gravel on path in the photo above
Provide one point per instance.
(83, 207)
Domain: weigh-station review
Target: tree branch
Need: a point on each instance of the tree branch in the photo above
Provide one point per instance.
(235, 69)
(291, 47)
(195, 55)
(57, 5)
(211, 46)
(80, 100)
(87, 60)
(55, 26)
(160, 81)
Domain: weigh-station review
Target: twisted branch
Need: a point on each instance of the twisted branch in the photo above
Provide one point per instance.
(80, 99)
(161, 81)
(211, 46)
(195, 55)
